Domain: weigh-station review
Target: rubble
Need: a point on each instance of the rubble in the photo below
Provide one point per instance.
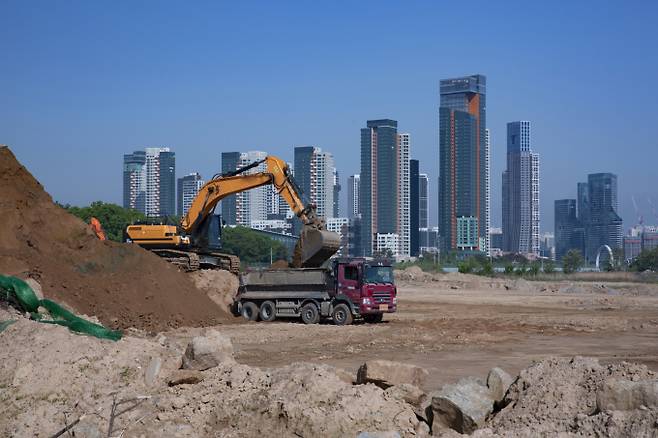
(207, 351)
(626, 395)
(384, 373)
(498, 381)
(463, 407)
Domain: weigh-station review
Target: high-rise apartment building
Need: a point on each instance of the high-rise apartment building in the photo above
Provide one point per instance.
(149, 179)
(566, 225)
(603, 226)
(134, 181)
(521, 192)
(353, 190)
(336, 212)
(423, 193)
(230, 161)
(384, 191)
(463, 153)
(188, 188)
(414, 208)
(314, 173)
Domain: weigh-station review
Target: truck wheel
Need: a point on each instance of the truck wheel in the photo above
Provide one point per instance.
(342, 315)
(267, 311)
(373, 318)
(310, 314)
(250, 311)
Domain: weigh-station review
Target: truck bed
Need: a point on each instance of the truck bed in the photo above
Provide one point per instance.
(303, 280)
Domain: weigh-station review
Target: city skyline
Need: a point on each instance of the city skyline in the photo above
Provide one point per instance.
(101, 109)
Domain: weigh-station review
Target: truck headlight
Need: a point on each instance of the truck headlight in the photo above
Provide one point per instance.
(367, 301)
(395, 300)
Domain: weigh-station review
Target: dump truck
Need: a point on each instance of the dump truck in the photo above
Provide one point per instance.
(196, 242)
(348, 289)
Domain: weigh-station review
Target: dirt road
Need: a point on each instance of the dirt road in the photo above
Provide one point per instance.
(456, 333)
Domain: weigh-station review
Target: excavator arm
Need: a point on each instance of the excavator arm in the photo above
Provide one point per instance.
(315, 245)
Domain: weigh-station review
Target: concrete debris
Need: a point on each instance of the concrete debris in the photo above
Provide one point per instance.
(498, 381)
(208, 351)
(626, 395)
(408, 393)
(152, 370)
(385, 374)
(463, 407)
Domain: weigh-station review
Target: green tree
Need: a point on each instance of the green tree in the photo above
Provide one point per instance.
(572, 261)
(486, 268)
(646, 261)
(549, 266)
(250, 246)
(113, 218)
(509, 269)
(534, 268)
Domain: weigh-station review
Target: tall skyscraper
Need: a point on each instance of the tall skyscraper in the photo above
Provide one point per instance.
(521, 192)
(149, 179)
(188, 188)
(566, 223)
(384, 194)
(314, 173)
(353, 190)
(414, 208)
(336, 212)
(134, 181)
(603, 226)
(228, 207)
(463, 192)
(423, 193)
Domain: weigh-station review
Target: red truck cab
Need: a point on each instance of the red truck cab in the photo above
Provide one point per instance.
(368, 285)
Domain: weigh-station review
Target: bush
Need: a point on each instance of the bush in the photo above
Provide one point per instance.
(549, 267)
(646, 261)
(534, 269)
(113, 219)
(509, 269)
(572, 261)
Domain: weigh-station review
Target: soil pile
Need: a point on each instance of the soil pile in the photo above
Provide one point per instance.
(220, 286)
(123, 285)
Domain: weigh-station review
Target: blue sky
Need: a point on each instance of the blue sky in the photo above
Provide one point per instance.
(82, 83)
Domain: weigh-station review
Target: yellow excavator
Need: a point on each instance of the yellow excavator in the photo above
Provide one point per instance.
(196, 242)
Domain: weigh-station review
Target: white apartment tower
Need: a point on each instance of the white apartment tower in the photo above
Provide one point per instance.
(353, 190)
(404, 211)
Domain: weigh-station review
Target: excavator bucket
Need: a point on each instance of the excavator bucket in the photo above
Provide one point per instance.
(315, 247)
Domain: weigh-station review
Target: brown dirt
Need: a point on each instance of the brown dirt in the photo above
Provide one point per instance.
(123, 285)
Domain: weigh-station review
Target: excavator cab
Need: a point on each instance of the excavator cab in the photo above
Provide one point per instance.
(209, 234)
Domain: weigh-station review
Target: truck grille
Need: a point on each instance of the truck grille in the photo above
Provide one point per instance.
(381, 297)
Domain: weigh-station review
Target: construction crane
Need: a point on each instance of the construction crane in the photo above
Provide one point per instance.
(196, 242)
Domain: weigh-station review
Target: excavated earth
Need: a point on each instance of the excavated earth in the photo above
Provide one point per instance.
(123, 285)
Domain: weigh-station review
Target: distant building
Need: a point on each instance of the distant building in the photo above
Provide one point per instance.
(353, 190)
(314, 173)
(547, 246)
(149, 179)
(337, 187)
(384, 186)
(341, 226)
(521, 192)
(188, 188)
(463, 152)
(641, 238)
(603, 226)
(230, 162)
(280, 226)
(566, 224)
(414, 208)
(496, 239)
(387, 242)
(429, 240)
(134, 181)
(423, 192)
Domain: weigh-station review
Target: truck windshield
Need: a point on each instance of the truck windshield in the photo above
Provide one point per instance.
(378, 274)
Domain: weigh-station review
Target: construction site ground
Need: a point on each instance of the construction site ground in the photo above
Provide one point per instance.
(458, 328)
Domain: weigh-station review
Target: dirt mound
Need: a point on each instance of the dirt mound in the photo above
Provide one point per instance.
(52, 372)
(558, 395)
(124, 285)
(220, 286)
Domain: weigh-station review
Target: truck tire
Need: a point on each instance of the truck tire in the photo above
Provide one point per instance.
(310, 313)
(250, 311)
(373, 318)
(342, 315)
(268, 311)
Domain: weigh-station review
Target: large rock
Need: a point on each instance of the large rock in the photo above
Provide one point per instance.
(626, 395)
(208, 351)
(463, 406)
(498, 382)
(385, 374)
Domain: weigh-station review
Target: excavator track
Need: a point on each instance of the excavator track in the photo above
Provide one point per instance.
(190, 261)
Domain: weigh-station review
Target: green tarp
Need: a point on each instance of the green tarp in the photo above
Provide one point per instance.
(15, 289)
